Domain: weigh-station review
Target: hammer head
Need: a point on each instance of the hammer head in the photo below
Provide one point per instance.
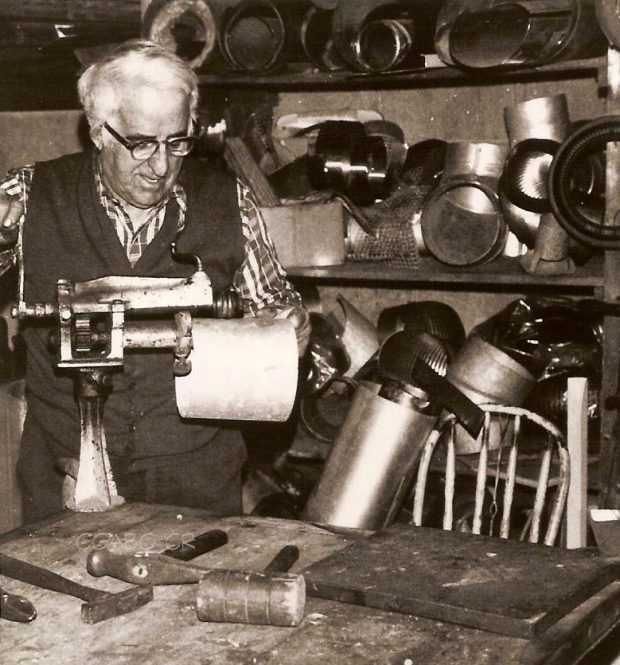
(110, 605)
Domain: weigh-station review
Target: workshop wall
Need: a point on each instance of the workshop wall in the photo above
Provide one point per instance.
(25, 137)
(30, 136)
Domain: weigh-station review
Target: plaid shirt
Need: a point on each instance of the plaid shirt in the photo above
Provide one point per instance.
(260, 280)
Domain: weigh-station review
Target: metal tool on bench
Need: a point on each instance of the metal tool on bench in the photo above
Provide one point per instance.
(94, 333)
(201, 544)
(16, 608)
(272, 597)
(99, 605)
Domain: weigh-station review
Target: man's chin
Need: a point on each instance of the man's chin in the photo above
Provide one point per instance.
(149, 199)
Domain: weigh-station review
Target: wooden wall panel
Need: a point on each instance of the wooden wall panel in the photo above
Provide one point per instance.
(450, 113)
(67, 10)
(30, 136)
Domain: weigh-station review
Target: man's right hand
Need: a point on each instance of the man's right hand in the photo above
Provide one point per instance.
(11, 209)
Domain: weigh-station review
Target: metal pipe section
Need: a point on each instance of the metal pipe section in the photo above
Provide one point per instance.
(370, 463)
(346, 159)
(258, 35)
(378, 35)
(386, 44)
(449, 11)
(186, 27)
(531, 32)
(541, 117)
(462, 221)
(536, 128)
(317, 41)
(582, 216)
(487, 375)
(544, 120)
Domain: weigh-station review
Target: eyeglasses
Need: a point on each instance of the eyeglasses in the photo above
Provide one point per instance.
(142, 149)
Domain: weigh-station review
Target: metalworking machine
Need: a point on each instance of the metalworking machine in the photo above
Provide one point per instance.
(95, 328)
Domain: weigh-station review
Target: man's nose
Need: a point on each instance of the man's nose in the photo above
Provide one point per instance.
(160, 160)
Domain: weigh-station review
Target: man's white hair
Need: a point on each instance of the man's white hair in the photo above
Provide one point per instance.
(134, 63)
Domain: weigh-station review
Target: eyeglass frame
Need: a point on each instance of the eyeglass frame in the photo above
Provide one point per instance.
(132, 145)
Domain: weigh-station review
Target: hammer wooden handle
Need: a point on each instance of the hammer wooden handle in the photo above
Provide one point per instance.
(205, 542)
(159, 569)
(164, 568)
(100, 605)
(46, 579)
(143, 568)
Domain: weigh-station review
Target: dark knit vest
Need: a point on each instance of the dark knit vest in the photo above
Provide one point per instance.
(68, 235)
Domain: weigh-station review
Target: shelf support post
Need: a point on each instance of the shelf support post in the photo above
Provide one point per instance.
(609, 462)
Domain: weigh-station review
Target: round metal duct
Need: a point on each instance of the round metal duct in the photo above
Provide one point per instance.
(317, 41)
(378, 35)
(186, 27)
(525, 33)
(580, 213)
(462, 221)
(347, 159)
(252, 35)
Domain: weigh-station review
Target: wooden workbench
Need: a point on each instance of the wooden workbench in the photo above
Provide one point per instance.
(167, 631)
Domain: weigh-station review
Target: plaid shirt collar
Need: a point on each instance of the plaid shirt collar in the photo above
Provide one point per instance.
(114, 206)
(135, 239)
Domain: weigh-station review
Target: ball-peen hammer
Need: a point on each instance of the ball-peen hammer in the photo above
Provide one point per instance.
(99, 605)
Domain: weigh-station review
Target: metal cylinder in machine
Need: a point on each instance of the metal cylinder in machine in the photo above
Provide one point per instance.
(241, 369)
(371, 462)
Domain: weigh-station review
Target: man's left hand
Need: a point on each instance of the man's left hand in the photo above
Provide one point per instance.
(299, 316)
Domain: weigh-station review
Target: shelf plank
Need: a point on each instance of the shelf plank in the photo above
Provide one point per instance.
(504, 271)
(312, 79)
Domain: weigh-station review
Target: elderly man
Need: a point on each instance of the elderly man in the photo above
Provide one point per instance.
(115, 210)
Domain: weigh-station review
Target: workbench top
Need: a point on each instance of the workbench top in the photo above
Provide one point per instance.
(167, 631)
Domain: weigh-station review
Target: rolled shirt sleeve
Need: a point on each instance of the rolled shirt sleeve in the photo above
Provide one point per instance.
(261, 280)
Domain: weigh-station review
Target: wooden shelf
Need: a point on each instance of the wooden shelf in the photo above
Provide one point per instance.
(43, 83)
(503, 272)
(312, 79)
